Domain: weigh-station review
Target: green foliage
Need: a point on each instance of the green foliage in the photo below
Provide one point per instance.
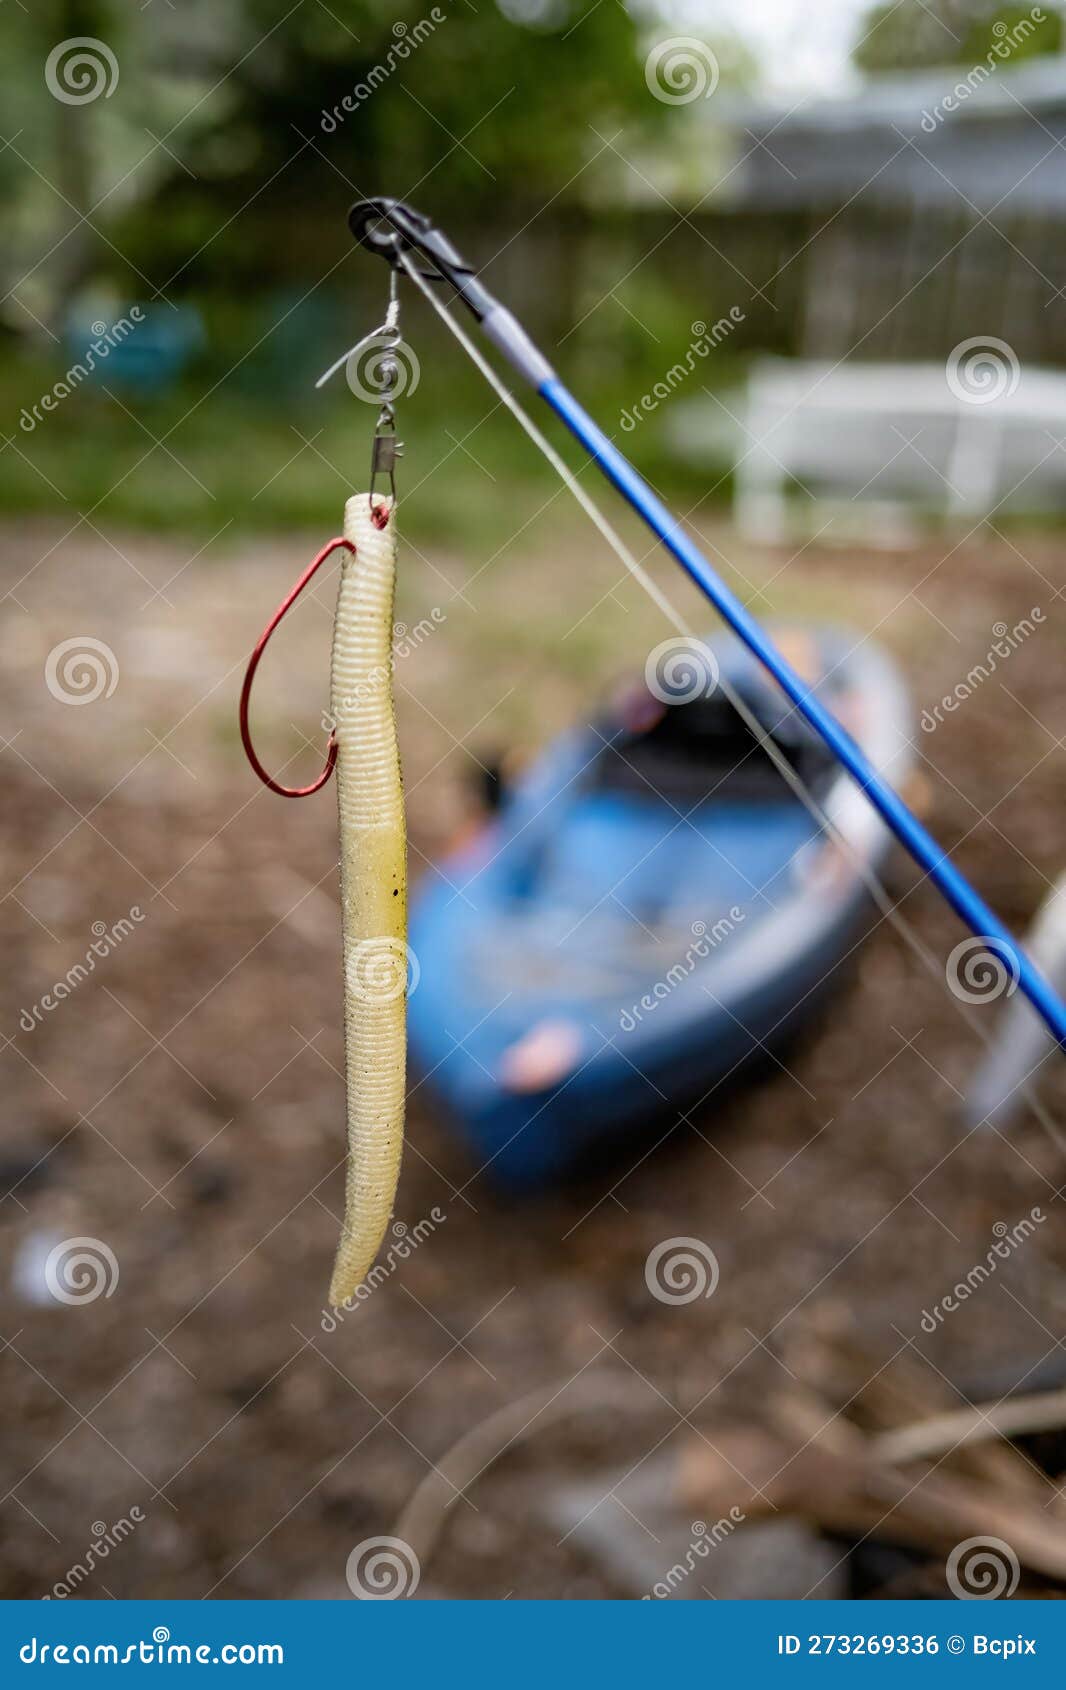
(215, 174)
(231, 123)
(906, 34)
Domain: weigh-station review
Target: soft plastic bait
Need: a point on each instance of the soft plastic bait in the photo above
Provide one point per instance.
(373, 857)
(373, 853)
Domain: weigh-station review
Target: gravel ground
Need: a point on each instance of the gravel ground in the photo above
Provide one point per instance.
(184, 1106)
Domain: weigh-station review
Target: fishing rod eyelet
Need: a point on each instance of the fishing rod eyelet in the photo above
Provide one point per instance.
(365, 221)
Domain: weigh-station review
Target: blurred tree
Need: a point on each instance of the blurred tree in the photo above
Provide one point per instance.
(906, 34)
(229, 124)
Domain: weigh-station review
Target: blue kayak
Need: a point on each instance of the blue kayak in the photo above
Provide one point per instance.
(650, 906)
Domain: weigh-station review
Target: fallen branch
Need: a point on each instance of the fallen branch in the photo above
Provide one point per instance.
(1043, 1411)
(855, 1495)
(422, 1521)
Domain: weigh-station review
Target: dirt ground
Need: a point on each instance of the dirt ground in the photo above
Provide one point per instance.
(184, 1104)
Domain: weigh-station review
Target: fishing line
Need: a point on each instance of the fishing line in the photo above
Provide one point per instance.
(789, 774)
(391, 229)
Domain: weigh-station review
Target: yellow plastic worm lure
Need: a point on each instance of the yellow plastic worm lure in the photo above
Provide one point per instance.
(373, 843)
(364, 753)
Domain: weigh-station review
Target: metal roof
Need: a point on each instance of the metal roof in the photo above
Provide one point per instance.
(979, 135)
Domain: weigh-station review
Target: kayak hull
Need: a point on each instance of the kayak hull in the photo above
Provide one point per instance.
(605, 953)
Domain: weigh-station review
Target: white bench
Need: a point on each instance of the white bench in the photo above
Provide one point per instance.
(923, 437)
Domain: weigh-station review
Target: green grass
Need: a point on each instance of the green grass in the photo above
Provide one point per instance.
(220, 450)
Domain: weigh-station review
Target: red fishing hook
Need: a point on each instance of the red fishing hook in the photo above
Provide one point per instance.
(253, 664)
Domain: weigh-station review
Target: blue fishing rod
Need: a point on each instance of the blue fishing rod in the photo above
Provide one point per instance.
(397, 232)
